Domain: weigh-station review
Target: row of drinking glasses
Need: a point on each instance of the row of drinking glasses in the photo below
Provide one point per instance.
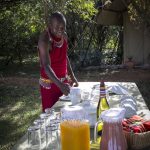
(44, 133)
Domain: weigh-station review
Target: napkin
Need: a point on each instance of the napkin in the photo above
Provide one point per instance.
(118, 89)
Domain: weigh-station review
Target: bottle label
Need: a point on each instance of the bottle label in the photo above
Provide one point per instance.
(102, 88)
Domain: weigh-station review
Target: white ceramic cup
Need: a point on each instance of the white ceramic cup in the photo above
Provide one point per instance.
(75, 95)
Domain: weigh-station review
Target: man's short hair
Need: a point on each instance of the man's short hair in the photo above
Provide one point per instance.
(58, 16)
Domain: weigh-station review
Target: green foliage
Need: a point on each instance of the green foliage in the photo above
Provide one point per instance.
(139, 11)
(112, 48)
(84, 8)
(112, 37)
(19, 26)
(22, 21)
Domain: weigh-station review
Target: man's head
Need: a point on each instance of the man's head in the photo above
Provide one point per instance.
(57, 24)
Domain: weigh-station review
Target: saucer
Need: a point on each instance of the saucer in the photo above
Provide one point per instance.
(65, 98)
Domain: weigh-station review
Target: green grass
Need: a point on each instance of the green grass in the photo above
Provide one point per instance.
(19, 106)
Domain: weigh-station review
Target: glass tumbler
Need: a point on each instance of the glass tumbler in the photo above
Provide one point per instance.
(56, 121)
(45, 117)
(51, 114)
(41, 123)
(52, 138)
(85, 95)
(50, 111)
(34, 137)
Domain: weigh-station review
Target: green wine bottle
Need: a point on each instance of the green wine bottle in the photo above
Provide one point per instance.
(102, 105)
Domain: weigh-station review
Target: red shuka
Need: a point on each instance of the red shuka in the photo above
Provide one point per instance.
(58, 57)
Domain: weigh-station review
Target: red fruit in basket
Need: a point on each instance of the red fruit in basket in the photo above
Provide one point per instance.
(136, 118)
(130, 121)
(127, 122)
(136, 129)
(124, 123)
(126, 129)
(142, 127)
(146, 124)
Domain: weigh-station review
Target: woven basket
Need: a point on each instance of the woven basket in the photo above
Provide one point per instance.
(137, 140)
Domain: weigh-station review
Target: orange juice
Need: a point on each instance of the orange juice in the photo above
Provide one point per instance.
(75, 135)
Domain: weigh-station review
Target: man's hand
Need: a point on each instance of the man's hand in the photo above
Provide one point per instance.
(65, 88)
(74, 82)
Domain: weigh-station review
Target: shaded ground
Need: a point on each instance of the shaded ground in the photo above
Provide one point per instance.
(123, 75)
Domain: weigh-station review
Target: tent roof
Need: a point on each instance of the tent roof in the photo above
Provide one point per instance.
(111, 13)
(117, 5)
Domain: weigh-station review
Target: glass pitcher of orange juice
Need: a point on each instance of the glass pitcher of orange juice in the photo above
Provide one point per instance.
(75, 135)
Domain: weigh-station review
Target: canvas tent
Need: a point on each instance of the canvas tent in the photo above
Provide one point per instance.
(136, 39)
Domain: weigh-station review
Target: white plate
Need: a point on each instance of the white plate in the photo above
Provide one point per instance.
(65, 98)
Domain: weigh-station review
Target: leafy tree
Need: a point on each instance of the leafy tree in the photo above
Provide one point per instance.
(19, 26)
(22, 21)
(139, 11)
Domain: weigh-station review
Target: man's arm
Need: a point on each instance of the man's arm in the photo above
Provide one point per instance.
(74, 81)
(46, 63)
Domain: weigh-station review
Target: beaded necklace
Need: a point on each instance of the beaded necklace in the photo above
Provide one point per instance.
(58, 44)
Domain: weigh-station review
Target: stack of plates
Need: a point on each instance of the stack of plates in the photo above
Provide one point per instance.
(129, 103)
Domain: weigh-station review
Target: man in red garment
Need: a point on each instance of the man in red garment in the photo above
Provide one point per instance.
(55, 65)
